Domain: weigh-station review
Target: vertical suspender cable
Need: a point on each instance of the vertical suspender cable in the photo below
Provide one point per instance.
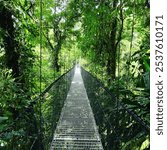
(118, 62)
(117, 96)
(131, 42)
(40, 71)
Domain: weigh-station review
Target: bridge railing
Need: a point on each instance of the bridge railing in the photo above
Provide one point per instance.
(51, 101)
(119, 127)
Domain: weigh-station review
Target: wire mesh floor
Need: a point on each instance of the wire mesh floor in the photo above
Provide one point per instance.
(76, 129)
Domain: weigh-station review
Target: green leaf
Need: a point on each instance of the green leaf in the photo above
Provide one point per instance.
(3, 118)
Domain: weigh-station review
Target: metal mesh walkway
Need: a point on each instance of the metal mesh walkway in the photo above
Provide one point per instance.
(76, 129)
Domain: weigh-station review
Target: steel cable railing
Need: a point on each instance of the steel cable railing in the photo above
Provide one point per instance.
(53, 98)
(119, 126)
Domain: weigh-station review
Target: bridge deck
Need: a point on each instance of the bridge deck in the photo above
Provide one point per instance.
(76, 129)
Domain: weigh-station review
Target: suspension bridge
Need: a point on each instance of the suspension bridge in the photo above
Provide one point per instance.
(76, 128)
(85, 115)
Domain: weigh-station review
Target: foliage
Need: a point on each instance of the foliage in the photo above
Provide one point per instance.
(109, 38)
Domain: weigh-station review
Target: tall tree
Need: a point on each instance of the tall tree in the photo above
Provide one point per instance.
(10, 44)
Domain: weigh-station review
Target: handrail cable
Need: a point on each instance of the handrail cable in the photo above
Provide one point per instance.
(51, 84)
(39, 97)
(132, 113)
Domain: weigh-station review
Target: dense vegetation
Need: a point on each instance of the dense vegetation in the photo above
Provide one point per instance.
(39, 41)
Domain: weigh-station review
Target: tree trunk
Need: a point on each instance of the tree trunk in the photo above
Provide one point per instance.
(58, 41)
(111, 62)
(11, 54)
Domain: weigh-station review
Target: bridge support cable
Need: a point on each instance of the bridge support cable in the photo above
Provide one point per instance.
(40, 77)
